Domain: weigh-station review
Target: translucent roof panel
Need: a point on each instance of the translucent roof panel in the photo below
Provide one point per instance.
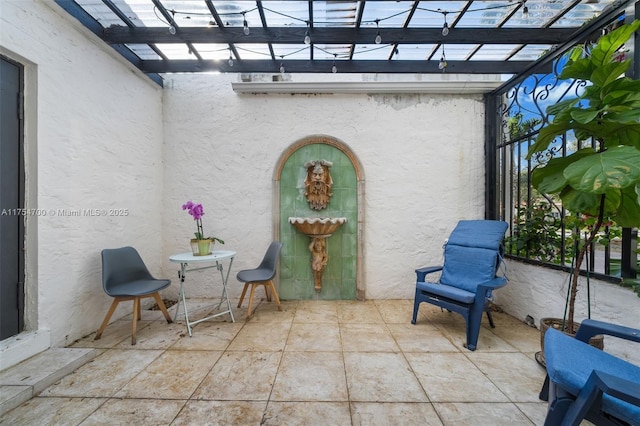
(212, 30)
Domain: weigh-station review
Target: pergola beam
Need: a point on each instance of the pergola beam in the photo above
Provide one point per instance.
(324, 66)
(323, 35)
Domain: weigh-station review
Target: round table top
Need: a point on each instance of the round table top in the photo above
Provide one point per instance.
(190, 258)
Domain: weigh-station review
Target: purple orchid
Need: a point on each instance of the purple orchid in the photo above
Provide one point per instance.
(197, 211)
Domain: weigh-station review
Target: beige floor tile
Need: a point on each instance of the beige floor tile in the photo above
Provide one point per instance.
(519, 335)
(316, 362)
(421, 338)
(261, 337)
(105, 375)
(157, 335)
(220, 413)
(535, 411)
(314, 337)
(316, 311)
(473, 414)
(173, 375)
(395, 311)
(307, 413)
(451, 377)
(310, 376)
(116, 332)
(135, 411)
(52, 411)
(267, 312)
(367, 338)
(245, 376)
(394, 414)
(514, 373)
(381, 377)
(358, 312)
(208, 336)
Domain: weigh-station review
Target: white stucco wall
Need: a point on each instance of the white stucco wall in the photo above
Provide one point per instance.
(96, 144)
(422, 156)
(540, 292)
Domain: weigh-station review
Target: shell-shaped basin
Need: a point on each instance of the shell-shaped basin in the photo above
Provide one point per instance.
(317, 226)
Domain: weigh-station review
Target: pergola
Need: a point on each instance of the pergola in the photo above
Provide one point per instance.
(416, 37)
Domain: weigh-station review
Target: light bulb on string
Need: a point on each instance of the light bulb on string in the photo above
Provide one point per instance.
(334, 68)
(230, 61)
(378, 39)
(307, 37)
(245, 25)
(172, 28)
(442, 65)
(281, 65)
(525, 10)
(445, 27)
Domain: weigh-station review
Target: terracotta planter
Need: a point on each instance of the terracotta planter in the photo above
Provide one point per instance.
(546, 323)
(201, 247)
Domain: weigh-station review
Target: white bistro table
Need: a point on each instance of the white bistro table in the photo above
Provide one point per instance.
(215, 261)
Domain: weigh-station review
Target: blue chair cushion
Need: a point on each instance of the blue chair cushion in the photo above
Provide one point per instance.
(446, 291)
(478, 233)
(467, 267)
(571, 361)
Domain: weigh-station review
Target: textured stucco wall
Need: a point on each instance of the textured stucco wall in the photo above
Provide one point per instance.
(540, 292)
(422, 157)
(97, 145)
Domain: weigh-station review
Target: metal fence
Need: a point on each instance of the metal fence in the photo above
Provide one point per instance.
(541, 231)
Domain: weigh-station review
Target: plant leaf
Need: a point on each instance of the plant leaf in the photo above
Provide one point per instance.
(628, 214)
(597, 173)
(584, 115)
(610, 43)
(550, 179)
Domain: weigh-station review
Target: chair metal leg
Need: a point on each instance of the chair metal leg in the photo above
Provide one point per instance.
(107, 317)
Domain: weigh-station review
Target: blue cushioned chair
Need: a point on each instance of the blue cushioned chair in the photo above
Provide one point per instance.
(584, 382)
(472, 256)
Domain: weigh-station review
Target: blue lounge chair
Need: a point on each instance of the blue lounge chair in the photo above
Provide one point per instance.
(472, 257)
(584, 382)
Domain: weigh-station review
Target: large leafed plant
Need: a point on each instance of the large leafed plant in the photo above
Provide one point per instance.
(602, 181)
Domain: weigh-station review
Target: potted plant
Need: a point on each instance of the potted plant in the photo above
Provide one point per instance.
(200, 245)
(602, 182)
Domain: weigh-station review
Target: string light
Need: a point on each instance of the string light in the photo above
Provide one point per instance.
(378, 39)
(230, 61)
(246, 29)
(281, 65)
(307, 37)
(445, 27)
(442, 65)
(525, 10)
(172, 28)
(334, 68)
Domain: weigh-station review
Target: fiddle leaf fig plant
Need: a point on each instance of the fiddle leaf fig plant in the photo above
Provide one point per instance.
(602, 181)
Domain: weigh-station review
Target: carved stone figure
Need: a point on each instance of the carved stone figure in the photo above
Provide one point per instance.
(319, 259)
(318, 184)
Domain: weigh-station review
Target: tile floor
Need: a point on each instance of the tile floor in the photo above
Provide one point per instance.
(314, 363)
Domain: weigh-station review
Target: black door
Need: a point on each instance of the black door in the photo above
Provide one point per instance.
(12, 214)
